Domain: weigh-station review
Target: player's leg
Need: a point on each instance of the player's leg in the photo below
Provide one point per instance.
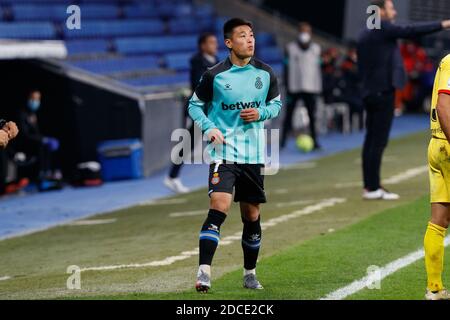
(251, 242)
(434, 250)
(440, 217)
(287, 122)
(221, 182)
(250, 194)
(310, 103)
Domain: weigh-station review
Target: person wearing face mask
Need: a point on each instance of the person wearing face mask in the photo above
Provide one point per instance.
(303, 79)
(34, 145)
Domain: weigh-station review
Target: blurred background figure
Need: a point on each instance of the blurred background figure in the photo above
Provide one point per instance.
(303, 78)
(350, 86)
(382, 73)
(420, 76)
(35, 153)
(205, 58)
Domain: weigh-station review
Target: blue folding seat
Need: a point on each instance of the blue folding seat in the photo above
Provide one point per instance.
(156, 44)
(116, 28)
(264, 39)
(98, 11)
(87, 46)
(31, 12)
(160, 80)
(141, 11)
(106, 66)
(270, 54)
(178, 61)
(27, 30)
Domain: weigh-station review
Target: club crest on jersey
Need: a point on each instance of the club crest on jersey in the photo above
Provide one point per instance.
(215, 179)
(258, 83)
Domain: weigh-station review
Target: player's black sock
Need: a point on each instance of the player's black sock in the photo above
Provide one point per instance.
(251, 241)
(210, 235)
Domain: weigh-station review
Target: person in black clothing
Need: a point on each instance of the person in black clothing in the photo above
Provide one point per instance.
(37, 148)
(350, 88)
(382, 72)
(205, 58)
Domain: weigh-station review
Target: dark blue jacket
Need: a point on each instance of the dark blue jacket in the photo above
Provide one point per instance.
(379, 61)
(199, 65)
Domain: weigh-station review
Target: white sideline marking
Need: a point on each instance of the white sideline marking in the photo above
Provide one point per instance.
(91, 222)
(387, 270)
(396, 179)
(5, 278)
(162, 202)
(293, 203)
(226, 240)
(187, 213)
(408, 174)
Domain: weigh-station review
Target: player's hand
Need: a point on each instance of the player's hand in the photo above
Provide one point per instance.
(3, 139)
(11, 129)
(216, 136)
(446, 24)
(250, 115)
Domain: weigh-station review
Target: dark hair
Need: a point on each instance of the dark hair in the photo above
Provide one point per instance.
(229, 26)
(203, 37)
(304, 24)
(379, 3)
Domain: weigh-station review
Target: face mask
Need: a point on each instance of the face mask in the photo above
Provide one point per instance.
(304, 37)
(34, 105)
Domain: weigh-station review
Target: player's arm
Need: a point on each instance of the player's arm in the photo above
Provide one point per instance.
(443, 110)
(273, 100)
(196, 109)
(415, 30)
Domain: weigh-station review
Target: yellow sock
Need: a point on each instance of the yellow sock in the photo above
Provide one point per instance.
(434, 255)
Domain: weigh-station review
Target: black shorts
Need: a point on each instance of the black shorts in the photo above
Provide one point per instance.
(247, 179)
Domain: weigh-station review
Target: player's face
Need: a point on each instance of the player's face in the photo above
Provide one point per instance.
(242, 42)
(389, 11)
(210, 46)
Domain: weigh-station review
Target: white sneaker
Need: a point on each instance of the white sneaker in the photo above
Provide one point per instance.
(380, 194)
(439, 295)
(175, 185)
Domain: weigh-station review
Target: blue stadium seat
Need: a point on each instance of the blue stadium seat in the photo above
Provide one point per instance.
(178, 61)
(27, 30)
(191, 25)
(160, 10)
(87, 46)
(119, 64)
(98, 11)
(171, 79)
(264, 39)
(116, 28)
(141, 11)
(157, 44)
(277, 68)
(30, 12)
(12, 2)
(270, 54)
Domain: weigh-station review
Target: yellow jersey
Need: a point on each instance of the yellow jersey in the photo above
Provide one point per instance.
(441, 85)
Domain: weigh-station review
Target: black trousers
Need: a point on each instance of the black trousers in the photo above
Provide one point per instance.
(309, 100)
(380, 113)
